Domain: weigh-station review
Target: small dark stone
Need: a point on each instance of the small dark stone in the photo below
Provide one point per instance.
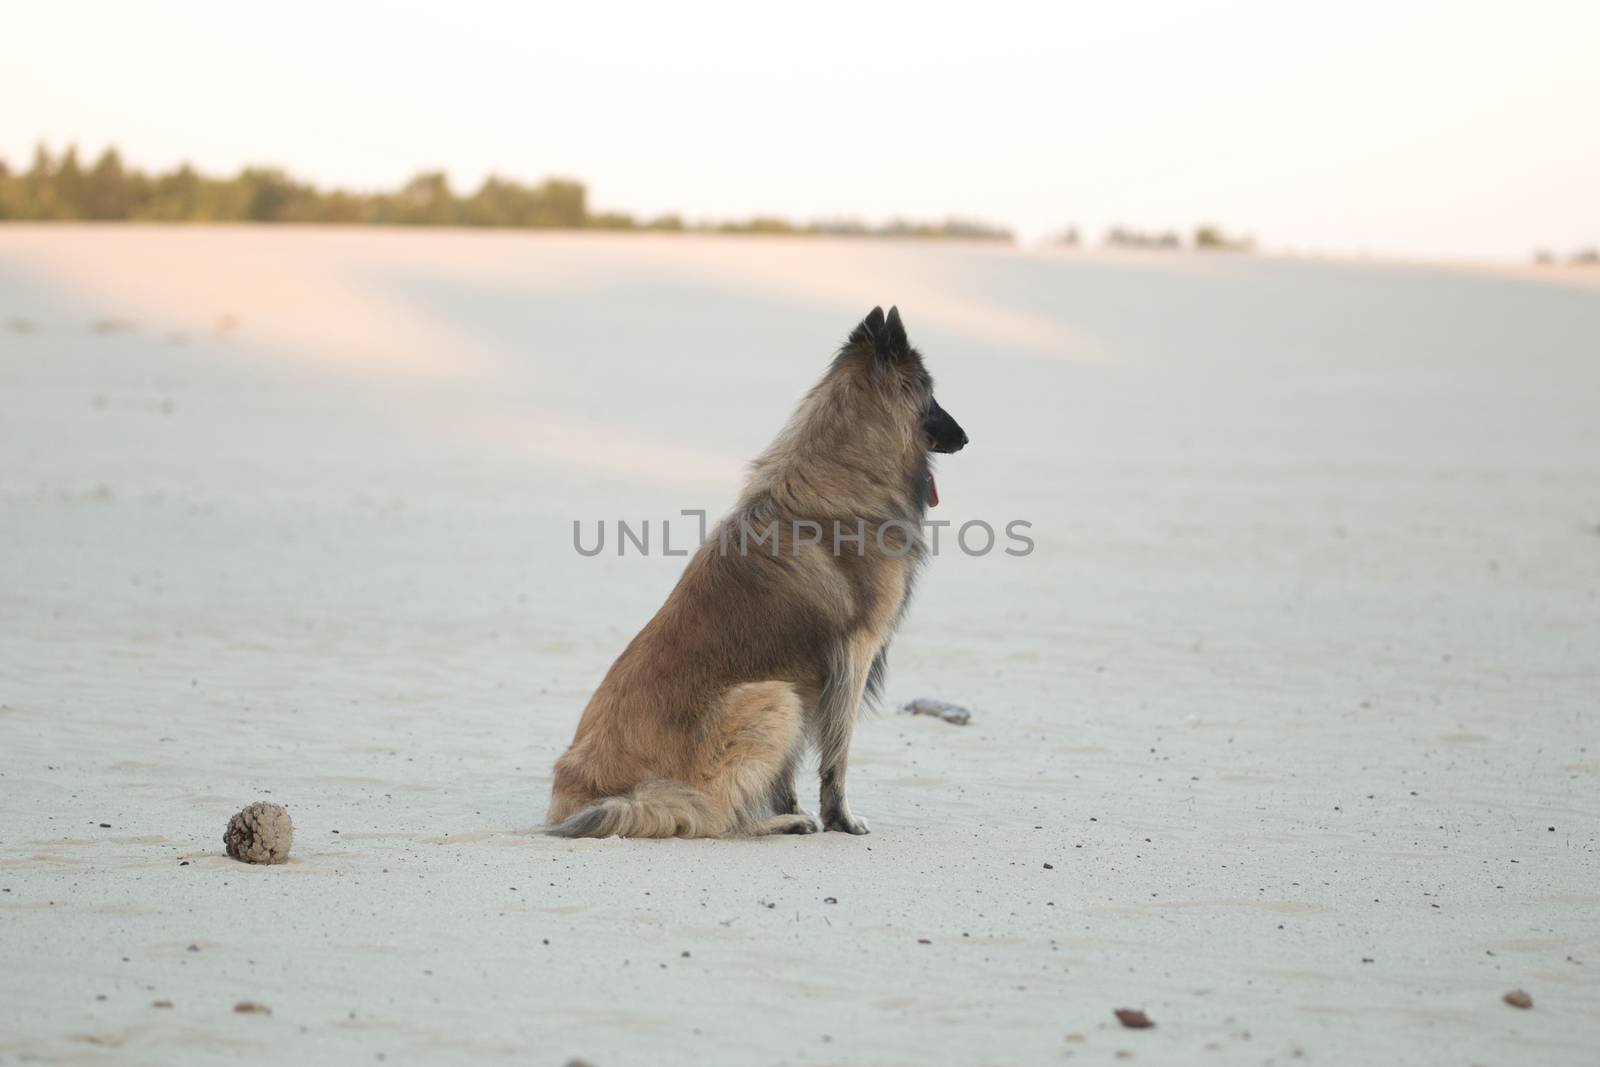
(1133, 1019)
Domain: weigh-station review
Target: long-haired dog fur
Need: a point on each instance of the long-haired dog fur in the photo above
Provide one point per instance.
(779, 625)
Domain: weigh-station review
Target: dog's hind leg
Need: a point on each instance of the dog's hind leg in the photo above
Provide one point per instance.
(787, 824)
(758, 738)
(751, 737)
(784, 799)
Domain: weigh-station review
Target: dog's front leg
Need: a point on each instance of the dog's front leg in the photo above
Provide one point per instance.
(835, 723)
(833, 762)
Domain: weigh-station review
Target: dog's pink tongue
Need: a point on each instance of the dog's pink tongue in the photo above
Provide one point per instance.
(933, 491)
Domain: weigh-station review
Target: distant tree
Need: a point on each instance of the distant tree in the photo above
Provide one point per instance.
(338, 207)
(612, 220)
(562, 203)
(1211, 238)
(1126, 237)
(172, 197)
(268, 193)
(108, 192)
(36, 187)
(226, 200)
(426, 200)
(841, 227)
(486, 207)
(971, 229)
(68, 187)
(555, 203)
(762, 224)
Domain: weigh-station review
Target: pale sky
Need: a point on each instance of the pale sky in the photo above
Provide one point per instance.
(1450, 129)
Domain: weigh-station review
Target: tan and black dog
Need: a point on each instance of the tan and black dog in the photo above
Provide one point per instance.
(779, 625)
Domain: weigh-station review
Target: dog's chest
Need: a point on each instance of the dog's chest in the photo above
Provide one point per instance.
(879, 610)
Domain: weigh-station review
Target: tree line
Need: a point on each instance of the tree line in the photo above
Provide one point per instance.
(62, 187)
(1207, 238)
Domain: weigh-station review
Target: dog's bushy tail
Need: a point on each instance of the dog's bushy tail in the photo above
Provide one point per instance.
(661, 808)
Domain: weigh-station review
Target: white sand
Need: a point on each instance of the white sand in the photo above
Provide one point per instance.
(1297, 697)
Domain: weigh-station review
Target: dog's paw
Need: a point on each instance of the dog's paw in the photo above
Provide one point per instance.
(801, 823)
(846, 823)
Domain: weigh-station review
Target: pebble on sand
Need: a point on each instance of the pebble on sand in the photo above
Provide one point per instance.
(1133, 1019)
(1518, 998)
(261, 833)
(954, 714)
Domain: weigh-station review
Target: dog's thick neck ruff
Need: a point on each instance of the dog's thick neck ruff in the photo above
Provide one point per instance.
(860, 443)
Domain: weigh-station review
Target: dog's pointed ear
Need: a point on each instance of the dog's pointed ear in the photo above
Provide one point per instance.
(869, 329)
(894, 336)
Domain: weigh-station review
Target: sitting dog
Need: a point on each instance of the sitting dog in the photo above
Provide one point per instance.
(780, 624)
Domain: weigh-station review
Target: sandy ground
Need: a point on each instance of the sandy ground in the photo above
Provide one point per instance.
(1287, 732)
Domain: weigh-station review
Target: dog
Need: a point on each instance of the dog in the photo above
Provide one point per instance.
(764, 649)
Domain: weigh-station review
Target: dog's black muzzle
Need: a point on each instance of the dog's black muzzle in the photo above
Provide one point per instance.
(944, 433)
